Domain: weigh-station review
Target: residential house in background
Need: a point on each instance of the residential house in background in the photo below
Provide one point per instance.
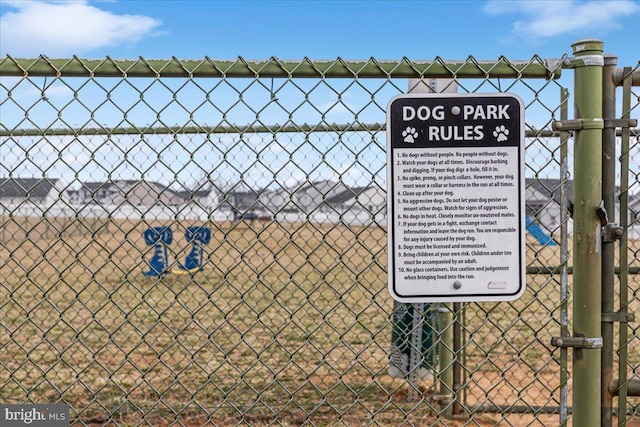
(119, 192)
(245, 203)
(207, 197)
(31, 192)
(322, 202)
(202, 203)
(360, 205)
(97, 192)
(137, 198)
(543, 203)
(300, 201)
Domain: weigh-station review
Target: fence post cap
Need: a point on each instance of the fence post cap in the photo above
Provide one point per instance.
(587, 45)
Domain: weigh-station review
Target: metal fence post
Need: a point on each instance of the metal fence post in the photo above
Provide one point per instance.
(564, 259)
(609, 161)
(588, 64)
(458, 357)
(446, 360)
(416, 355)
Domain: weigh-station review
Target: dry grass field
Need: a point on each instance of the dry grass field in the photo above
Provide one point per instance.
(287, 324)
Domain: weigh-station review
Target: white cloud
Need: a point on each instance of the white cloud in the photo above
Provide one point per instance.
(335, 108)
(553, 18)
(33, 93)
(65, 28)
(332, 109)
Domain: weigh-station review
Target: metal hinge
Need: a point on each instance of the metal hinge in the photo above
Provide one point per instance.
(620, 123)
(611, 233)
(582, 61)
(577, 342)
(618, 317)
(579, 124)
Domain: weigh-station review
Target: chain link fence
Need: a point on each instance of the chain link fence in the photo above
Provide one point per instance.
(192, 242)
(628, 282)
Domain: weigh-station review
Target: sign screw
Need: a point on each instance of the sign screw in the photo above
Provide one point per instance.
(457, 284)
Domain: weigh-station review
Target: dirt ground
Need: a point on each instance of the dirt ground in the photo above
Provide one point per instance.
(287, 325)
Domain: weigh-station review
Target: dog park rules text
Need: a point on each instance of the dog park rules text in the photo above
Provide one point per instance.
(455, 166)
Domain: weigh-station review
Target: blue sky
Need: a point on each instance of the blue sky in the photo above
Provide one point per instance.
(317, 29)
(255, 30)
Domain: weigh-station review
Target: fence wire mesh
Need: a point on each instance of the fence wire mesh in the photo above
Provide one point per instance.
(629, 259)
(196, 242)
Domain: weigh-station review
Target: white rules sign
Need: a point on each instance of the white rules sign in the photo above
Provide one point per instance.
(455, 177)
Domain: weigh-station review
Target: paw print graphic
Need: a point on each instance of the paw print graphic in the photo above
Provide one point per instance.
(501, 133)
(409, 135)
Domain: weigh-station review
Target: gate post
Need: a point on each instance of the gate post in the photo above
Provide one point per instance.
(587, 195)
(609, 161)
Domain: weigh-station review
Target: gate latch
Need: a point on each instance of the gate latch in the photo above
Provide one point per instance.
(610, 231)
(577, 342)
(602, 214)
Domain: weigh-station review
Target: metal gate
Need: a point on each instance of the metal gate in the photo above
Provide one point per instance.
(620, 143)
(200, 241)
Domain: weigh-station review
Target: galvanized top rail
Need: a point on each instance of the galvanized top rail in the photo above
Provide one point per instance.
(239, 129)
(275, 68)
